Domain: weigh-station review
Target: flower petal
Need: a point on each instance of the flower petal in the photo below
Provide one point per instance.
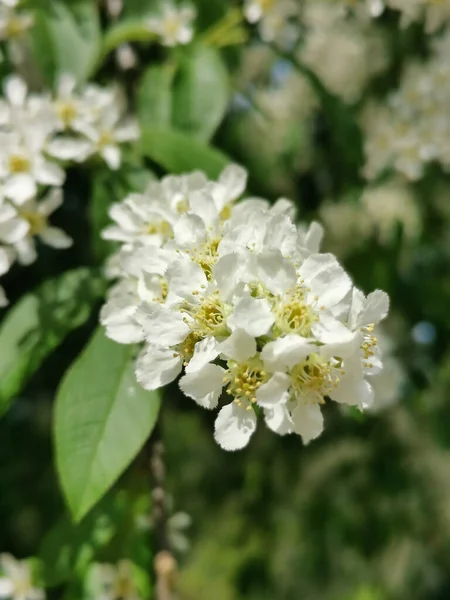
(354, 392)
(157, 367)
(276, 272)
(205, 351)
(204, 386)
(278, 419)
(161, 325)
(20, 188)
(286, 352)
(234, 426)
(49, 173)
(56, 238)
(376, 308)
(186, 277)
(240, 346)
(274, 392)
(252, 315)
(189, 230)
(326, 278)
(308, 421)
(234, 179)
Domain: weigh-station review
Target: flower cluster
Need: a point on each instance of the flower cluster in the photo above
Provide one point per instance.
(240, 299)
(272, 17)
(345, 53)
(379, 212)
(113, 582)
(411, 128)
(13, 22)
(174, 26)
(39, 134)
(16, 580)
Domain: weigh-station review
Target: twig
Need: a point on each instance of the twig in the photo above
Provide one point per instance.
(164, 563)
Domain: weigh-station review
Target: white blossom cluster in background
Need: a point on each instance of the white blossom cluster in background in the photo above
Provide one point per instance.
(17, 580)
(241, 301)
(113, 582)
(14, 23)
(272, 18)
(344, 53)
(40, 135)
(174, 26)
(411, 127)
(379, 213)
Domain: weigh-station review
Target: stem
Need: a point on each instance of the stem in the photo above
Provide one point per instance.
(164, 564)
(131, 31)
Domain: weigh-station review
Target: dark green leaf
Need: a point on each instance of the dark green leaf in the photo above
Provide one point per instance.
(66, 39)
(155, 96)
(179, 153)
(201, 92)
(69, 548)
(39, 322)
(102, 420)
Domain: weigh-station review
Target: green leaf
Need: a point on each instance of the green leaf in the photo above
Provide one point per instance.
(69, 548)
(39, 322)
(154, 98)
(66, 38)
(201, 92)
(103, 417)
(178, 153)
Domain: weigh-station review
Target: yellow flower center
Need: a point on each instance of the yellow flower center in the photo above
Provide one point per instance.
(18, 164)
(106, 139)
(36, 221)
(124, 588)
(243, 380)
(67, 112)
(206, 256)
(16, 27)
(315, 378)
(171, 26)
(369, 344)
(294, 314)
(162, 227)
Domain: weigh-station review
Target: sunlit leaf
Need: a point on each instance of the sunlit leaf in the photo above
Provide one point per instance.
(102, 420)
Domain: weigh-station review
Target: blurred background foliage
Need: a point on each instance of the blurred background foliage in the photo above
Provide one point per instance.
(364, 512)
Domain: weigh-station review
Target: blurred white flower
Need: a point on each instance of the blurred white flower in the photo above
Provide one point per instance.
(344, 53)
(13, 24)
(272, 17)
(31, 220)
(16, 580)
(410, 128)
(174, 26)
(388, 383)
(115, 582)
(105, 136)
(389, 206)
(24, 166)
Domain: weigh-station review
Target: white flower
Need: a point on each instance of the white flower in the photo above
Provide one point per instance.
(16, 580)
(105, 136)
(30, 220)
(237, 299)
(13, 24)
(144, 282)
(271, 15)
(409, 129)
(115, 582)
(23, 165)
(174, 26)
